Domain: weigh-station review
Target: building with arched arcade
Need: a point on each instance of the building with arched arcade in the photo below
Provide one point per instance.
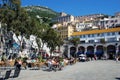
(106, 41)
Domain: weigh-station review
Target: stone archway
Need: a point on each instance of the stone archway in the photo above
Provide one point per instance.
(73, 51)
(90, 52)
(81, 49)
(99, 51)
(111, 51)
(99, 47)
(90, 49)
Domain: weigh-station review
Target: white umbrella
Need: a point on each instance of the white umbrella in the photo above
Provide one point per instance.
(82, 55)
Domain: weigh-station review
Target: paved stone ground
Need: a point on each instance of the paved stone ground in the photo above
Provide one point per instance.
(92, 70)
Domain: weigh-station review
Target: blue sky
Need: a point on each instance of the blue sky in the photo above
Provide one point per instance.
(78, 7)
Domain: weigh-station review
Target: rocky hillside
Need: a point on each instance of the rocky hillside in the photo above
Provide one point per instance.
(39, 11)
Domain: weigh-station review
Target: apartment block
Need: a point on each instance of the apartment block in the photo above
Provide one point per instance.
(65, 31)
(64, 18)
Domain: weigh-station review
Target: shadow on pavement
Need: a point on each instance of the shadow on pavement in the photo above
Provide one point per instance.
(117, 78)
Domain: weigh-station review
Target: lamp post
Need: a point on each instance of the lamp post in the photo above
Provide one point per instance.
(95, 52)
(116, 48)
(94, 48)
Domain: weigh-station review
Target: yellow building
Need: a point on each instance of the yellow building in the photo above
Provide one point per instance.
(65, 31)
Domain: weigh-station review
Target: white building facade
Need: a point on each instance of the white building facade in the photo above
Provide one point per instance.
(109, 22)
(106, 41)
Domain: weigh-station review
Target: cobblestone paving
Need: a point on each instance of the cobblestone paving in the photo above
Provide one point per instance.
(92, 70)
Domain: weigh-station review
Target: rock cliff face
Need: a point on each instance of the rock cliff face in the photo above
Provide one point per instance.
(41, 11)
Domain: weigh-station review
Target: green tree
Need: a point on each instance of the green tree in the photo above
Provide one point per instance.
(75, 41)
(102, 41)
(52, 39)
(17, 19)
(20, 22)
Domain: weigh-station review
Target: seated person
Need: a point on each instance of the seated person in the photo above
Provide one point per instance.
(66, 61)
(49, 63)
(54, 62)
(72, 60)
(17, 64)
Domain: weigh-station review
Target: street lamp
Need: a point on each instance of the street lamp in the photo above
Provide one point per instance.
(94, 45)
(116, 51)
(94, 48)
(116, 47)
